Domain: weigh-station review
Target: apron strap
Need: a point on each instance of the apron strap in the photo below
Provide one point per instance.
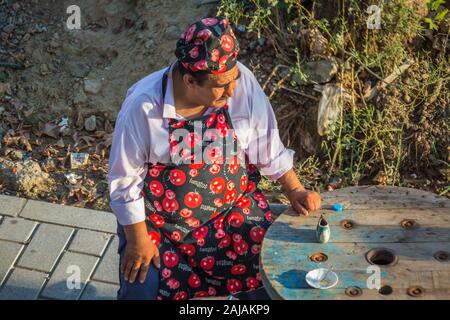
(164, 82)
(164, 79)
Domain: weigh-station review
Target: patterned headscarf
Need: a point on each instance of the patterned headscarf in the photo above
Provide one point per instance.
(208, 46)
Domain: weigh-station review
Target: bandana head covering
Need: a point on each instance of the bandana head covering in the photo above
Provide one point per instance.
(208, 46)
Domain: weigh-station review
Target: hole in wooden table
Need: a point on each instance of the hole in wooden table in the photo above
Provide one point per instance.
(441, 256)
(353, 292)
(416, 292)
(318, 257)
(408, 223)
(385, 290)
(347, 224)
(381, 257)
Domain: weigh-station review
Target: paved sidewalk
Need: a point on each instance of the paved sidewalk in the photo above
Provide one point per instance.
(44, 247)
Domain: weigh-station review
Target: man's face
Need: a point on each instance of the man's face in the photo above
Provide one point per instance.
(217, 88)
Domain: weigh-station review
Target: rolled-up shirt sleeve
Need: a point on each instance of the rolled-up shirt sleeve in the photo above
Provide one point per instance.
(127, 169)
(266, 150)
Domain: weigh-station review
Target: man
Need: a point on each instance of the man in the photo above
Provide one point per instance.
(191, 224)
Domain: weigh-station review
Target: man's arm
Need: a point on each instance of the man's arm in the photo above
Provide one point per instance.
(302, 200)
(270, 155)
(126, 173)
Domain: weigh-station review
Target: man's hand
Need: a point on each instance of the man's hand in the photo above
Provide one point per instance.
(139, 252)
(304, 201)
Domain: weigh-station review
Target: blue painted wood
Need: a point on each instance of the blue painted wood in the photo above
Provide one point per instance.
(289, 243)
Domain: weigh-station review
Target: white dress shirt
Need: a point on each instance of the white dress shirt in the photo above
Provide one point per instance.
(141, 136)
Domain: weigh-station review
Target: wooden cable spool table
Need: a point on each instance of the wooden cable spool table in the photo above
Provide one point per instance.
(403, 231)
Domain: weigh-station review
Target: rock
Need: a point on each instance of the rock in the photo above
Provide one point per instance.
(14, 154)
(173, 33)
(49, 164)
(321, 71)
(252, 45)
(26, 37)
(92, 86)
(25, 177)
(80, 97)
(9, 28)
(90, 123)
(54, 44)
(40, 28)
(241, 28)
(102, 204)
(78, 69)
(318, 44)
(149, 43)
(6, 151)
(261, 41)
(4, 36)
(44, 69)
(5, 88)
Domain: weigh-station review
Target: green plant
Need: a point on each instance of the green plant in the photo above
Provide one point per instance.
(379, 136)
(433, 5)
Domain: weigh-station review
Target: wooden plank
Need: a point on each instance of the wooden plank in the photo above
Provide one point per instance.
(288, 256)
(397, 279)
(376, 213)
(424, 217)
(362, 234)
(351, 267)
(367, 294)
(383, 197)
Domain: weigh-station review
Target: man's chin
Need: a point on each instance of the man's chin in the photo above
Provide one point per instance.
(220, 103)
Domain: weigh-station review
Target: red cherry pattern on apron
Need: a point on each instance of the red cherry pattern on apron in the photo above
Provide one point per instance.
(208, 220)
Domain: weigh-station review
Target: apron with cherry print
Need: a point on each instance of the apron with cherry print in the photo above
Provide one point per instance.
(208, 219)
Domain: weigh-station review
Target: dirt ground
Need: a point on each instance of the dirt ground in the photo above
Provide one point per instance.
(119, 42)
(48, 72)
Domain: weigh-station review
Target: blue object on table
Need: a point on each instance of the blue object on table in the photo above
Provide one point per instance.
(337, 207)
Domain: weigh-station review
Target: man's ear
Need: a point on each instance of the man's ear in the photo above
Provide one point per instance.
(189, 80)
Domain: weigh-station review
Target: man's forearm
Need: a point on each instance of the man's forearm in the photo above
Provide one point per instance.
(289, 181)
(135, 231)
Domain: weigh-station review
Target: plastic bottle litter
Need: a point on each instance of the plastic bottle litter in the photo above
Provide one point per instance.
(72, 178)
(78, 160)
(63, 124)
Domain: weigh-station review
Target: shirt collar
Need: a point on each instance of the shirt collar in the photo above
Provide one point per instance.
(169, 110)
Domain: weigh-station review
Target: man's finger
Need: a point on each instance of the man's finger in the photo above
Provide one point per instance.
(128, 266)
(143, 272)
(318, 204)
(157, 260)
(122, 265)
(300, 209)
(135, 270)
